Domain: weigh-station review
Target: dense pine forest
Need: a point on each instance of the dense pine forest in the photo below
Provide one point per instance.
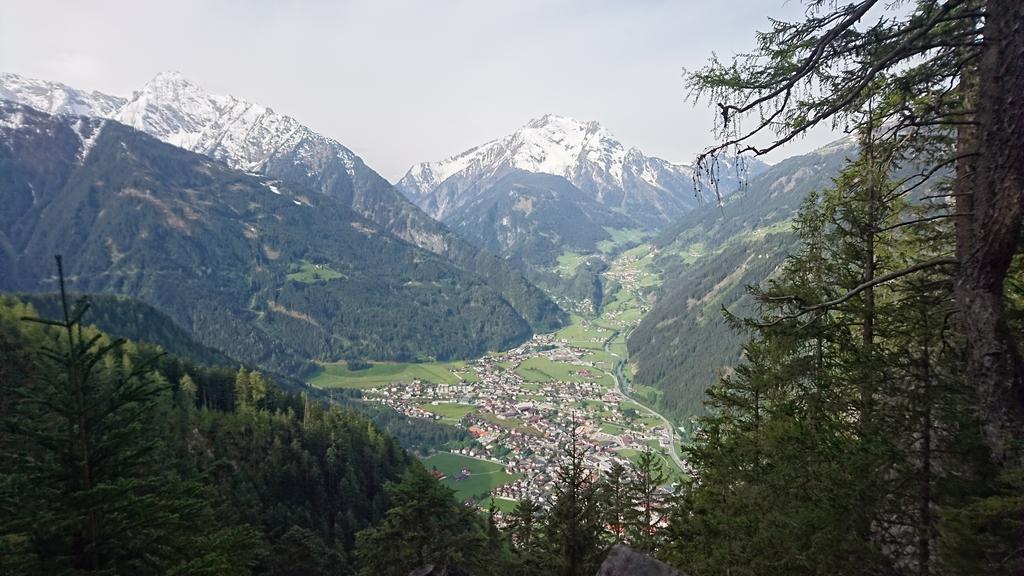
(123, 459)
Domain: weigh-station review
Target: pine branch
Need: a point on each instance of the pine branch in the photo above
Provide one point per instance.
(823, 306)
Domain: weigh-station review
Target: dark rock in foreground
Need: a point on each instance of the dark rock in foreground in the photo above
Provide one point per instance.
(624, 561)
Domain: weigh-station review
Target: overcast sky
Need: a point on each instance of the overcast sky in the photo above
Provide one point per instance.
(404, 82)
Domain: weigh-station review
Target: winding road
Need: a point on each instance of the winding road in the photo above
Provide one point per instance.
(623, 385)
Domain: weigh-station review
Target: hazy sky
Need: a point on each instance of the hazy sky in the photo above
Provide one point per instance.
(403, 82)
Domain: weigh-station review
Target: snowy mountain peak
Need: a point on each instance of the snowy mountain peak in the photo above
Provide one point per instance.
(240, 133)
(56, 98)
(178, 111)
(584, 152)
(175, 110)
(549, 144)
(559, 145)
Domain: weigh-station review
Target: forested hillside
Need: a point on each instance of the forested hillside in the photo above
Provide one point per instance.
(707, 260)
(123, 317)
(138, 322)
(178, 468)
(124, 460)
(534, 218)
(266, 273)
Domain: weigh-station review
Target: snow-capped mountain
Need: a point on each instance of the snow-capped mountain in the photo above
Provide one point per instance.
(241, 134)
(255, 138)
(57, 98)
(652, 190)
(171, 108)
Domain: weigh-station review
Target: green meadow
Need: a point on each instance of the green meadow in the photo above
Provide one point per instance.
(449, 413)
(484, 475)
(338, 375)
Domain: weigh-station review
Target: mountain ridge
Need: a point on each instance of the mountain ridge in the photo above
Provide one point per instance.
(652, 190)
(266, 273)
(254, 138)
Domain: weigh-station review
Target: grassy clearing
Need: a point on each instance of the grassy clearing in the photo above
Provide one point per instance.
(449, 413)
(504, 505)
(689, 253)
(601, 359)
(673, 472)
(619, 237)
(568, 263)
(339, 376)
(584, 334)
(484, 476)
(613, 429)
(630, 405)
(618, 347)
(649, 422)
(311, 273)
(544, 370)
(511, 424)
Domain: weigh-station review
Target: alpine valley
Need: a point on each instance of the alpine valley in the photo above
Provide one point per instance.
(561, 190)
(229, 346)
(280, 247)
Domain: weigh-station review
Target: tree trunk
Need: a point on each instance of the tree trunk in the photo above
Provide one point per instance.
(989, 207)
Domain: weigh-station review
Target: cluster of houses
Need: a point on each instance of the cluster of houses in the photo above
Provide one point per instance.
(525, 427)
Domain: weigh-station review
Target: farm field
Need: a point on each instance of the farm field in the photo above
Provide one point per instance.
(539, 369)
(449, 413)
(484, 476)
(511, 424)
(503, 505)
(673, 472)
(381, 374)
(584, 334)
(621, 237)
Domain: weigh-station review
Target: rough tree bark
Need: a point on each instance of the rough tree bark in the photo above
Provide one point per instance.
(989, 202)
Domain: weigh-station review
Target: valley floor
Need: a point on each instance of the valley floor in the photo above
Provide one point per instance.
(520, 405)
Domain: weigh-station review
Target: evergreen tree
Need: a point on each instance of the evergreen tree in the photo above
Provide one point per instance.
(86, 445)
(616, 501)
(941, 78)
(243, 389)
(842, 437)
(423, 526)
(647, 511)
(573, 531)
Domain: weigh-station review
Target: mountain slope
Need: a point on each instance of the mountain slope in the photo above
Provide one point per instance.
(265, 272)
(133, 320)
(707, 259)
(255, 138)
(651, 190)
(535, 217)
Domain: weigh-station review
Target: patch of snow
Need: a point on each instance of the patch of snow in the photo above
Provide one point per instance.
(88, 132)
(12, 121)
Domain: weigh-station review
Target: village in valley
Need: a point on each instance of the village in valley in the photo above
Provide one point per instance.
(520, 406)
